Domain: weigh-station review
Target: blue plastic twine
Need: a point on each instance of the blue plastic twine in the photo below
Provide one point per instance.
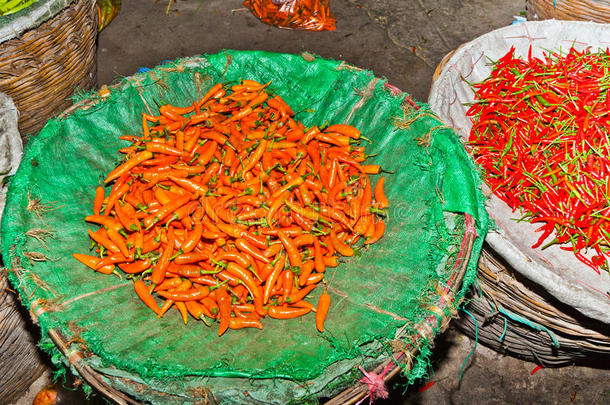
(476, 340)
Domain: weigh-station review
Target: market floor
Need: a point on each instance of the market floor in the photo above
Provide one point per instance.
(402, 41)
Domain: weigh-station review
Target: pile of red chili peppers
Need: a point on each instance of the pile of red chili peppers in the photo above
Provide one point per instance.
(540, 133)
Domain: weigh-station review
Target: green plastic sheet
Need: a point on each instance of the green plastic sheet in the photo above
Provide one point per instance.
(388, 287)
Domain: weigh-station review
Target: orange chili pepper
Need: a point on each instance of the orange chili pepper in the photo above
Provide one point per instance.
(168, 284)
(135, 267)
(291, 250)
(224, 305)
(306, 271)
(183, 311)
(142, 291)
(198, 311)
(275, 275)
(317, 254)
(100, 238)
(158, 274)
(244, 246)
(245, 276)
(298, 295)
(130, 164)
(279, 104)
(157, 147)
(152, 219)
(315, 278)
(92, 262)
(379, 230)
(240, 323)
(287, 312)
(322, 310)
(118, 190)
(192, 257)
(344, 130)
(341, 247)
(192, 294)
(100, 194)
(380, 197)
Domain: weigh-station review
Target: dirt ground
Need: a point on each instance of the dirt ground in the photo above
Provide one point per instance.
(397, 39)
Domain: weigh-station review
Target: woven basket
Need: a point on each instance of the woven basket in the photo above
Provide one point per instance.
(43, 66)
(583, 10)
(19, 356)
(439, 304)
(516, 317)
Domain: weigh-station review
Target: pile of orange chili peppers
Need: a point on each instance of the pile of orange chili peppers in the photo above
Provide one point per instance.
(312, 15)
(231, 210)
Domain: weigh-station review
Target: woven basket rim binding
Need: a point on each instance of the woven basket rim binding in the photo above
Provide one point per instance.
(516, 318)
(585, 10)
(442, 311)
(13, 25)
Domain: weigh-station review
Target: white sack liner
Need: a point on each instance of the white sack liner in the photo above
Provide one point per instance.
(11, 147)
(557, 271)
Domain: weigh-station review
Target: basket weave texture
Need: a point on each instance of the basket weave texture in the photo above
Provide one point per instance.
(583, 10)
(42, 68)
(516, 318)
(18, 353)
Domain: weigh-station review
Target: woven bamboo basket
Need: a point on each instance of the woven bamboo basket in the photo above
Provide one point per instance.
(583, 10)
(45, 58)
(19, 355)
(516, 317)
(441, 306)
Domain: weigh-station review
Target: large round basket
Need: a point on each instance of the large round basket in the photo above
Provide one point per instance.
(47, 52)
(515, 312)
(389, 302)
(579, 10)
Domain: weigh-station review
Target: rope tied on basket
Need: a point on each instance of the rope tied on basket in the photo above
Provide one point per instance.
(470, 230)
(476, 341)
(531, 324)
(364, 94)
(375, 382)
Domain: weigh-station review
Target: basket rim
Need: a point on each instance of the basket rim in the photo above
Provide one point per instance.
(516, 318)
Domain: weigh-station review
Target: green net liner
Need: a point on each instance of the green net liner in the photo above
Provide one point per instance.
(380, 297)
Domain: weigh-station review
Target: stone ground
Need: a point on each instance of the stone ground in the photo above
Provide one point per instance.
(402, 41)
